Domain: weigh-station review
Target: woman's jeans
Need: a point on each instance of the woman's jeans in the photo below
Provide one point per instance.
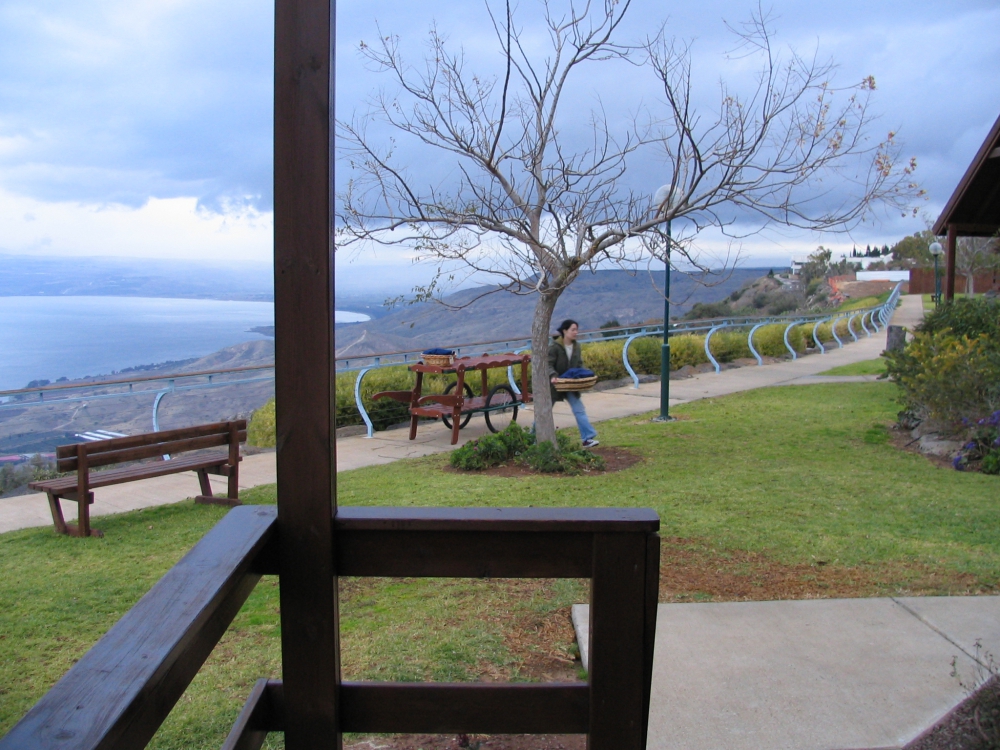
(587, 431)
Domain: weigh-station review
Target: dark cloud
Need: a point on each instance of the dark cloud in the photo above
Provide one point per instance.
(118, 101)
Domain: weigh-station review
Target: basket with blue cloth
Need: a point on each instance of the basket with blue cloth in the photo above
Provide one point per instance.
(575, 379)
(438, 357)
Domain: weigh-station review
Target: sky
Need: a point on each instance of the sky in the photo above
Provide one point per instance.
(142, 128)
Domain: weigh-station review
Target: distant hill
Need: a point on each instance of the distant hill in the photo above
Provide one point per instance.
(593, 300)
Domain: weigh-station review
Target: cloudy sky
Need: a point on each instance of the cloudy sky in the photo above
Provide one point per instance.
(142, 127)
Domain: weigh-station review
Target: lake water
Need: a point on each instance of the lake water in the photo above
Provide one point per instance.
(53, 337)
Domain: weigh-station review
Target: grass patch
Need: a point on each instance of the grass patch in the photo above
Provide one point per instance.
(792, 492)
(868, 367)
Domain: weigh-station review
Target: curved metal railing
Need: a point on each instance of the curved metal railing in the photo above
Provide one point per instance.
(159, 386)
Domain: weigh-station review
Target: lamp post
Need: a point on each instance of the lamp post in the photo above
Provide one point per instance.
(936, 250)
(665, 349)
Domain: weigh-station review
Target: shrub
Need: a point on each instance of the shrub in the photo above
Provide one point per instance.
(730, 345)
(566, 457)
(704, 310)
(948, 378)
(516, 439)
(687, 349)
(645, 355)
(493, 449)
(783, 302)
(984, 446)
(613, 323)
(517, 444)
(605, 359)
(261, 432)
(770, 340)
(965, 317)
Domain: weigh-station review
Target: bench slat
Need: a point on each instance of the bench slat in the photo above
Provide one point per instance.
(151, 450)
(131, 473)
(150, 438)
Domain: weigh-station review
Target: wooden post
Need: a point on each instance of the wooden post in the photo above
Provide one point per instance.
(618, 622)
(82, 491)
(233, 485)
(949, 274)
(303, 319)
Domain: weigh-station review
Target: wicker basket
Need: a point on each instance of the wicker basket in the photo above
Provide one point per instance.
(439, 360)
(564, 385)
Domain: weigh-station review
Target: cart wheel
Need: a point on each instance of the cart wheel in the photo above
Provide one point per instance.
(498, 419)
(465, 417)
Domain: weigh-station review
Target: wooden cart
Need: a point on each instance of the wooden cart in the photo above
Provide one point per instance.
(458, 403)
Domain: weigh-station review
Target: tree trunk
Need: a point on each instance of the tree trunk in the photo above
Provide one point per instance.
(541, 326)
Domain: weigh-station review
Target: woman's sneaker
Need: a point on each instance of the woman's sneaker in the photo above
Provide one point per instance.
(591, 443)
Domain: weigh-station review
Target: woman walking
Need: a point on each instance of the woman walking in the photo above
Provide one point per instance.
(564, 354)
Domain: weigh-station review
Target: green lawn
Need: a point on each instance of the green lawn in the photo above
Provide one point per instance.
(803, 477)
(867, 367)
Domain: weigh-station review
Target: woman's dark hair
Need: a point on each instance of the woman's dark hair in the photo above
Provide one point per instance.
(563, 326)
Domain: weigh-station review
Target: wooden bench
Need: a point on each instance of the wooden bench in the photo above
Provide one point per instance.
(82, 457)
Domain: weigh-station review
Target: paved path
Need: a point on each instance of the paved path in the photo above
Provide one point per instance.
(354, 452)
(829, 674)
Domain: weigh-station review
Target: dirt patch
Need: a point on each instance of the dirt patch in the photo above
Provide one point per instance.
(691, 571)
(615, 459)
(974, 724)
(901, 439)
(473, 742)
(543, 646)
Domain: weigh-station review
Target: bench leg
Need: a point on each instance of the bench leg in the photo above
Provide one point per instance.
(413, 428)
(206, 484)
(57, 514)
(234, 485)
(208, 498)
(82, 526)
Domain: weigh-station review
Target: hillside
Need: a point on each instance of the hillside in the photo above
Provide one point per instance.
(593, 299)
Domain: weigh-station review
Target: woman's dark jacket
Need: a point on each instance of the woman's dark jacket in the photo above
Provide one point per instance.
(559, 363)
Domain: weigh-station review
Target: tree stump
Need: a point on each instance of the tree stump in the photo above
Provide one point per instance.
(895, 338)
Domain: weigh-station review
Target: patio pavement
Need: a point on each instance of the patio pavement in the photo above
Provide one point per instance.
(827, 674)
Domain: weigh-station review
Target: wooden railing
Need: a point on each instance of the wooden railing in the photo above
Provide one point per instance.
(120, 692)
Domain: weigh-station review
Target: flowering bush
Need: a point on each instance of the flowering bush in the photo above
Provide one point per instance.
(983, 447)
(947, 378)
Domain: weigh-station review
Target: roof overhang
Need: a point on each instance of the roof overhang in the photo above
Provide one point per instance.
(974, 208)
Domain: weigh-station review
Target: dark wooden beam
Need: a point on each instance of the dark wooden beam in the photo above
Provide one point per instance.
(649, 635)
(120, 692)
(478, 542)
(263, 712)
(303, 320)
(575, 520)
(618, 643)
(464, 554)
(481, 708)
(949, 266)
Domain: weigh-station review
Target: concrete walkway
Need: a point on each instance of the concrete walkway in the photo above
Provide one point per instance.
(828, 674)
(354, 452)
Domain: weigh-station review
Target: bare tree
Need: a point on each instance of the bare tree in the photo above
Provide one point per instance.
(532, 203)
(974, 255)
